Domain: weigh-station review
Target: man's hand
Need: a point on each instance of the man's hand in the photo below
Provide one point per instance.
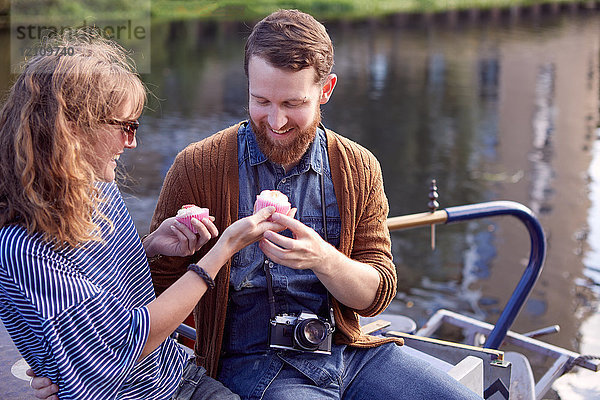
(172, 238)
(351, 282)
(307, 250)
(42, 387)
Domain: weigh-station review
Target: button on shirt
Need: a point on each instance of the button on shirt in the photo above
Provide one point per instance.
(248, 364)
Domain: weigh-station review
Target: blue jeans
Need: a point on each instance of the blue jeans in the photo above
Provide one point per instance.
(196, 385)
(385, 372)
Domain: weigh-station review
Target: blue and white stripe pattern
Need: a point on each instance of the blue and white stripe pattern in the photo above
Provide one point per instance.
(78, 315)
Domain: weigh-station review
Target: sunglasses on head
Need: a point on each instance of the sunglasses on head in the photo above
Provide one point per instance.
(128, 127)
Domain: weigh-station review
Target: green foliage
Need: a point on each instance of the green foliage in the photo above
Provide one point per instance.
(66, 10)
(244, 10)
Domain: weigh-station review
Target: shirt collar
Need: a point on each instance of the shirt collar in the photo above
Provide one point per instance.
(311, 159)
(254, 153)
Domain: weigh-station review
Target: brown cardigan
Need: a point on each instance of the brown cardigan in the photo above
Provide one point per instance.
(206, 173)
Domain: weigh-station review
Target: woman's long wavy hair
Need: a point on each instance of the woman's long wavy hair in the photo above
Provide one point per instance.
(54, 114)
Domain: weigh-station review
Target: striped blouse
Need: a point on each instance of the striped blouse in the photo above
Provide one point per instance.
(78, 315)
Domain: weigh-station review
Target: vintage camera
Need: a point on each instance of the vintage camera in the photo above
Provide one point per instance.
(305, 332)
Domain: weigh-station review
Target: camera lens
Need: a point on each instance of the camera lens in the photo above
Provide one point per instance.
(310, 333)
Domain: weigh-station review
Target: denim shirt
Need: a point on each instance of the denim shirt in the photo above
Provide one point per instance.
(247, 363)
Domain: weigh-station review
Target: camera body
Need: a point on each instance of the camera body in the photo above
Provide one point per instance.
(305, 332)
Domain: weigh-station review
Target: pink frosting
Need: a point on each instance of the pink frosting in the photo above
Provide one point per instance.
(189, 211)
(272, 198)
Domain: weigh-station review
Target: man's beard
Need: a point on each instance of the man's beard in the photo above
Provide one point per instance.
(288, 153)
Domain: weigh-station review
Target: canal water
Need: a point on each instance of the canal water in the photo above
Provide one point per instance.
(495, 107)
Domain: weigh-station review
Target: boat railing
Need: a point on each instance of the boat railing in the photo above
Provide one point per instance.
(469, 212)
(501, 333)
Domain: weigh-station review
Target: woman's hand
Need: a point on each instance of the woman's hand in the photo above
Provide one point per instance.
(42, 387)
(172, 238)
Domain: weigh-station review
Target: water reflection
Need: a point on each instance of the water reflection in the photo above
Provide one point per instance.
(503, 110)
(543, 130)
(583, 384)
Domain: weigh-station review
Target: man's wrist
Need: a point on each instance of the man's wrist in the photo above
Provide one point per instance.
(329, 259)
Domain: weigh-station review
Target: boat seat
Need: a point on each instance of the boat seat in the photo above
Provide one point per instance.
(522, 382)
(18, 370)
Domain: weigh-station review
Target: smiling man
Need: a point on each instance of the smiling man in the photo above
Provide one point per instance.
(282, 321)
(285, 109)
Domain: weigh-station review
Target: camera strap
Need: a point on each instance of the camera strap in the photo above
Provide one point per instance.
(267, 262)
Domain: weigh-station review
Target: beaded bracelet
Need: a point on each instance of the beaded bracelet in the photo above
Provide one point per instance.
(202, 274)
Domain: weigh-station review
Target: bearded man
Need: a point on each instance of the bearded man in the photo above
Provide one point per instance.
(332, 264)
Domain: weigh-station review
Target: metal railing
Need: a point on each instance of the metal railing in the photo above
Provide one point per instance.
(484, 210)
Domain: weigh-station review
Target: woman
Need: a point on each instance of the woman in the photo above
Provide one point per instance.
(75, 289)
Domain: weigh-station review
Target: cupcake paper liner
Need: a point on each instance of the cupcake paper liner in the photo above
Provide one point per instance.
(187, 220)
(261, 203)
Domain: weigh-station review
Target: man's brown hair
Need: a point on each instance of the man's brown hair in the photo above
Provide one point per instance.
(293, 40)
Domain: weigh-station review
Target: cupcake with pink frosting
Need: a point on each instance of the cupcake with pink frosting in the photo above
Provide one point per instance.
(272, 198)
(189, 211)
